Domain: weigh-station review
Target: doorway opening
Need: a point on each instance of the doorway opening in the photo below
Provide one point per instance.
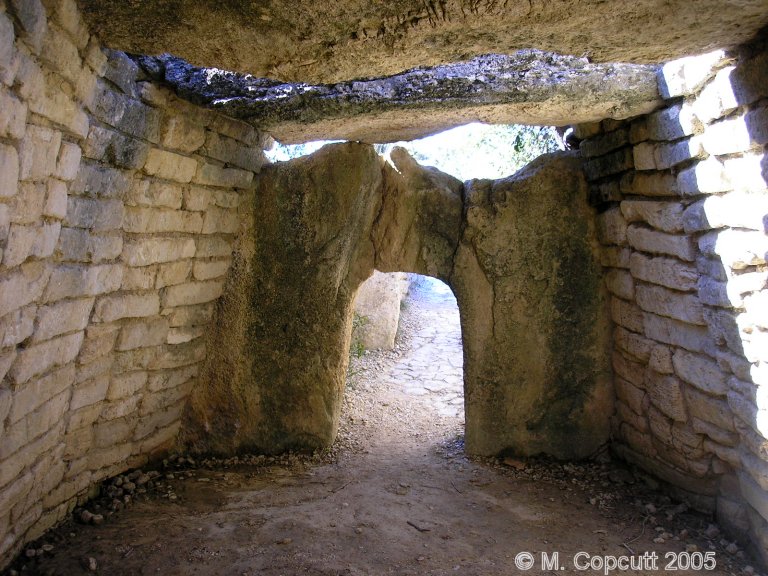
(405, 394)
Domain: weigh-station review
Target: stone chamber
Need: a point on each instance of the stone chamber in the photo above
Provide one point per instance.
(162, 286)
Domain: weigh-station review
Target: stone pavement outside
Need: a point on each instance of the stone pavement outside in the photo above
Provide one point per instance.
(432, 365)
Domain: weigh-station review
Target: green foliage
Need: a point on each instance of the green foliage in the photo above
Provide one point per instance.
(357, 348)
(471, 151)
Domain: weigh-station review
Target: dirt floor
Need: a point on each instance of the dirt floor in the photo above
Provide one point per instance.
(395, 495)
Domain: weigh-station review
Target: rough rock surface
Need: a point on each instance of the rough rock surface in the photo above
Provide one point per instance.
(377, 305)
(529, 86)
(314, 41)
(524, 273)
(535, 327)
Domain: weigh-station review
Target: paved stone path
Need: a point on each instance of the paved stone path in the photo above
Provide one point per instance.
(432, 366)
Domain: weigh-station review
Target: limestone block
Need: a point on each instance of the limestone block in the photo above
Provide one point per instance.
(673, 123)
(115, 307)
(660, 360)
(126, 385)
(185, 316)
(756, 121)
(664, 216)
(686, 75)
(79, 245)
(600, 145)
(170, 166)
(13, 112)
(26, 241)
(154, 220)
(736, 249)
(95, 57)
(160, 440)
(78, 281)
(633, 396)
(714, 411)
(143, 334)
(154, 402)
(34, 24)
(182, 335)
(27, 206)
(7, 358)
(38, 153)
(62, 317)
(620, 283)
(67, 14)
(98, 215)
(82, 418)
(102, 458)
(756, 306)
(717, 98)
(173, 273)
(197, 198)
(225, 198)
(628, 369)
(146, 251)
(164, 419)
(587, 130)
(644, 157)
(700, 371)
(670, 303)
(716, 433)
(139, 278)
(122, 71)
(667, 272)
(112, 147)
(668, 155)
(56, 201)
(192, 293)
(728, 136)
(615, 257)
(127, 115)
(213, 175)
(17, 326)
(611, 227)
(747, 173)
(220, 221)
(5, 223)
(171, 378)
(22, 286)
(210, 269)
(213, 247)
(665, 392)
(647, 240)
(9, 171)
(627, 314)
(669, 331)
(98, 180)
(756, 496)
(7, 38)
(154, 193)
(233, 153)
(756, 466)
(705, 177)
(120, 409)
(61, 54)
(649, 183)
(112, 431)
(179, 133)
(42, 357)
(179, 355)
(633, 344)
(90, 392)
(236, 129)
(612, 163)
(99, 341)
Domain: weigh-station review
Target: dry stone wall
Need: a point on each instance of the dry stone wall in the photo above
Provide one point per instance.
(118, 210)
(683, 228)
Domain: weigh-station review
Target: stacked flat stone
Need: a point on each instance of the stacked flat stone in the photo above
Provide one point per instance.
(119, 207)
(683, 228)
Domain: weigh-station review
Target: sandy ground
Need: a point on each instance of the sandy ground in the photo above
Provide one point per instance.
(395, 495)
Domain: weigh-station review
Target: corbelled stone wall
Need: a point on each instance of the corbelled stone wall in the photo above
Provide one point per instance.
(118, 210)
(684, 217)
